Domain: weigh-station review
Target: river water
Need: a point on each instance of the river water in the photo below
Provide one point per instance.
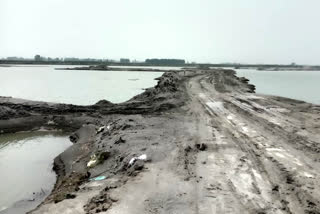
(44, 83)
(300, 85)
(26, 158)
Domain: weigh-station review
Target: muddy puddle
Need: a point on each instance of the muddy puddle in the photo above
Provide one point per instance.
(26, 168)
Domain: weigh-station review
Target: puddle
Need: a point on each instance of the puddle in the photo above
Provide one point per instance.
(26, 162)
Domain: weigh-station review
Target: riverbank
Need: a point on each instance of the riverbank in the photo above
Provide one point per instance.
(200, 141)
(108, 68)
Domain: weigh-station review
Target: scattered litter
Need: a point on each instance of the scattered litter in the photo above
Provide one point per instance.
(101, 129)
(142, 157)
(98, 158)
(93, 161)
(134, 159)
(308, 175)
(245, 129)
(99, 178)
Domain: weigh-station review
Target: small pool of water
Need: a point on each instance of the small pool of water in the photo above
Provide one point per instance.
(26, 161)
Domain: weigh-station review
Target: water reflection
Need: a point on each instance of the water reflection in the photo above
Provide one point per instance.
(26, 167)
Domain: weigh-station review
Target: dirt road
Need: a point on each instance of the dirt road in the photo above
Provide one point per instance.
(212, 146)
(255, 155)
(260, 157)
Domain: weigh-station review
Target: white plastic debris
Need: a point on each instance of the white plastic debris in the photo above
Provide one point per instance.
(142, 157)
(108, 127)
(101, 129)
(134, 159)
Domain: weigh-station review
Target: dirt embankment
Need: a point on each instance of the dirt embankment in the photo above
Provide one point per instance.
(24, 115)
(200, 141)
(107, 68)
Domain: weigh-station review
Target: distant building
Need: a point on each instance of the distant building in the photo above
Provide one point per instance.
(124, 60)
(37, 58)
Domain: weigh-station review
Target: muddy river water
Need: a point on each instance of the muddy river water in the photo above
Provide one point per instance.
(26, 167)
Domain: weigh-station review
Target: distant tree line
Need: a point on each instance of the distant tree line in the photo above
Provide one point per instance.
(39, 58)
(165, 61)
(15, 58)
(56, 60)
(124, 60)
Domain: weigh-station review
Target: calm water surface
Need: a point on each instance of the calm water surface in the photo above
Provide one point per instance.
(26, 167)
(44, 83)
(301, 85)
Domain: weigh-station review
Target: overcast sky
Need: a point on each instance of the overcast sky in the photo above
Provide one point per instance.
(246, 31)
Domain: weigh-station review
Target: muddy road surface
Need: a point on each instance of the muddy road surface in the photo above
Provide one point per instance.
(263, 152)
(199, 142)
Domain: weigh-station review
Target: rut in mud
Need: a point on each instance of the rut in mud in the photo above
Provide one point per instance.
(258, 161)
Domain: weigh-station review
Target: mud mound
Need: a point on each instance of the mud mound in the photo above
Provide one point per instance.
(167, 94)
(8, 113)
